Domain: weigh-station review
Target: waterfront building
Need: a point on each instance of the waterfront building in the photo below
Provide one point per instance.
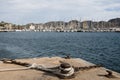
(32, 28)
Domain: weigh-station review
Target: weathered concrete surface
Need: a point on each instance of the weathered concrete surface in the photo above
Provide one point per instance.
(92, 74)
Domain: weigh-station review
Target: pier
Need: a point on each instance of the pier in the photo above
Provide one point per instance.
(86, 73)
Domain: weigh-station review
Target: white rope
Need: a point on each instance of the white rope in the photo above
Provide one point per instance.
(34, 65)
(65, 75)
(13, 69)
(67, 69)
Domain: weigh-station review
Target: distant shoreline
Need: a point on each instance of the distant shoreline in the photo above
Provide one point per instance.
(113, 25)
(60, 31)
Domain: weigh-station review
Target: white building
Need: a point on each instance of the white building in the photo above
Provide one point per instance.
(31, 27)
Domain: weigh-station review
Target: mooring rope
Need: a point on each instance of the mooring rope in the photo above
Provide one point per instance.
(13, 69)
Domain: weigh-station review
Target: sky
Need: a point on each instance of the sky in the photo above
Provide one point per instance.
(41, 11)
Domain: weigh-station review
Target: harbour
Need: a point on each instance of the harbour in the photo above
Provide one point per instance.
(60, 40)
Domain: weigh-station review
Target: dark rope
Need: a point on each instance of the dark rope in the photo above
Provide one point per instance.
(86, 67)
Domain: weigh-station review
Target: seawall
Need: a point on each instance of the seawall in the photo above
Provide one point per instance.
(98, 73)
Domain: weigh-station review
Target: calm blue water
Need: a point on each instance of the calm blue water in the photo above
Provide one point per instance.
(99, 48)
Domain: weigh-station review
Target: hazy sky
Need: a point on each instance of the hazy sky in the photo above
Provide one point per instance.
(27, 11)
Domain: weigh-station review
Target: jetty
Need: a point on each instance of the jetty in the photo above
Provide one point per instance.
(87, 70)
